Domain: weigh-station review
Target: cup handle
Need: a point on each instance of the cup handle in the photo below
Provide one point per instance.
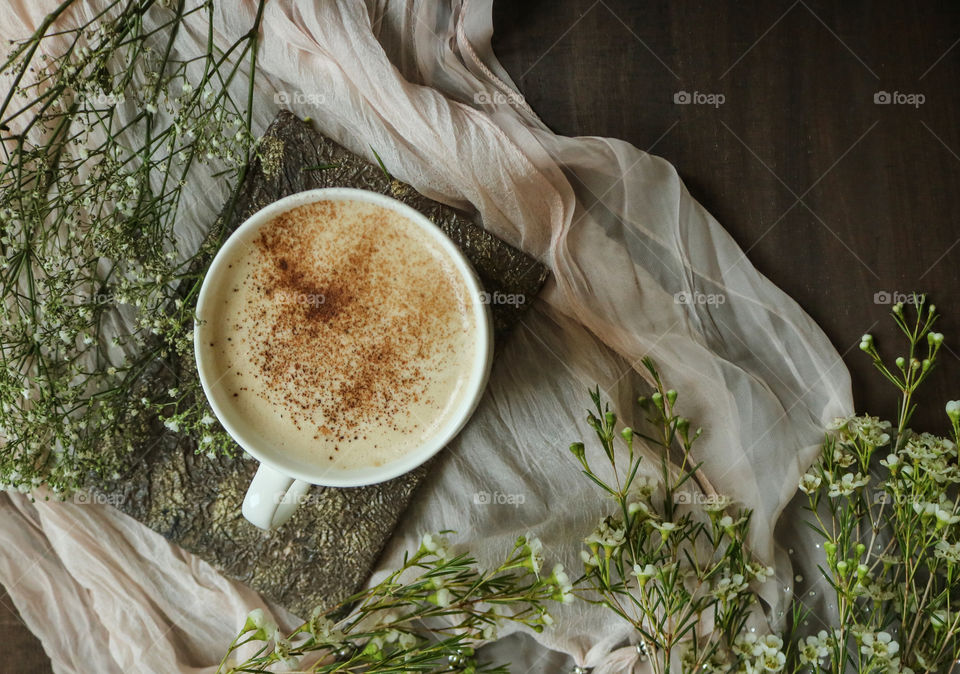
(272, 498)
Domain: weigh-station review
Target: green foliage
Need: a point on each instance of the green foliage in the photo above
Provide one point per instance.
(428, 616)
(884, 500)
(98, 288)
(673, 557)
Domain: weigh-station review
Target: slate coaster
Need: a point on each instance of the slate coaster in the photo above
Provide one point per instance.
(327, 550)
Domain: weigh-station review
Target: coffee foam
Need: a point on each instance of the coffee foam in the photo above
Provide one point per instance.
(342, 333)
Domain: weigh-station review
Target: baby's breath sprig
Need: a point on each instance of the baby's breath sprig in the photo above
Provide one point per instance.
(107, 119)
(428, 616)
(885, 501)
(673, 561)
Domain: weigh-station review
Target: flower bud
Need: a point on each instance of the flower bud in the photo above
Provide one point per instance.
(589, 560)
(900, 361)
(953, 411)
(657, 399)
(577, 449)
(671, 396)
(627, 434)
(441, 598)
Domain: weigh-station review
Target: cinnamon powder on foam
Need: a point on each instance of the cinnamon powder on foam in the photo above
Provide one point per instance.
(354, 330)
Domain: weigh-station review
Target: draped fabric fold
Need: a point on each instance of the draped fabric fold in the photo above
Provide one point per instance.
(639, 269)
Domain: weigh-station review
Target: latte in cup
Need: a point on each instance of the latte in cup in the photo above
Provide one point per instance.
(342, 334)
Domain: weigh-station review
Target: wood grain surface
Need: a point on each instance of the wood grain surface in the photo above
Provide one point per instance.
(20, 651)
(839, 200)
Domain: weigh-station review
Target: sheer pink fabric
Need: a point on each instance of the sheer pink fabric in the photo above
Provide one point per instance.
(640, 268)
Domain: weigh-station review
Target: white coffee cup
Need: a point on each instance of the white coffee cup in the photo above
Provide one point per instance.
(282, 480)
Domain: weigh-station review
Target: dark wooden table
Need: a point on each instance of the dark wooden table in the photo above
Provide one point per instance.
(841, 201)
(21, 651)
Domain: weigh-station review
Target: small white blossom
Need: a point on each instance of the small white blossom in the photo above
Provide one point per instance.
(282, 650)
(809, 483)
(589, 560)
(813, 649)
(643, 486)
(839, 423)
(949, 552)
(847, 485)
(442, 597)
(761, 572)
(534, 548)
(644, 573)
(436, 545)
(263, 627)
(609, 534)
(640, 507)
(406, 640)
(870, 430)
(562, 582)
(881, 646)
(665, 528)
(946, 517)
(729, 587)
